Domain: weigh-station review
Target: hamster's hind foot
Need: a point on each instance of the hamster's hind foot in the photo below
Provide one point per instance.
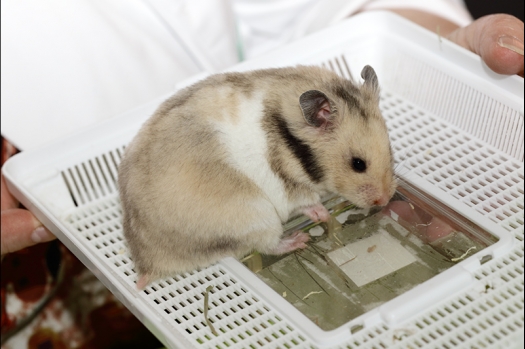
(143, 281)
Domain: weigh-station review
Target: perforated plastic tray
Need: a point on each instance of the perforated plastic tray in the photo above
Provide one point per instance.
(457, 132)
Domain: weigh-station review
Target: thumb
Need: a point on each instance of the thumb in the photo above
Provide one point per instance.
(21, 229)
(498, 39)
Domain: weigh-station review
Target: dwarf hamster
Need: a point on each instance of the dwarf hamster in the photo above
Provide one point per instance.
(222, 164)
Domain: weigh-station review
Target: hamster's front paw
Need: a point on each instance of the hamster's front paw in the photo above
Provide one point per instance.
(317, 213)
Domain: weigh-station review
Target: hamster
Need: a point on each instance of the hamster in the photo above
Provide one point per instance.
(222, 164)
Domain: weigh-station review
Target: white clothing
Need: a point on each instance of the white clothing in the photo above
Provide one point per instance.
(70, 64)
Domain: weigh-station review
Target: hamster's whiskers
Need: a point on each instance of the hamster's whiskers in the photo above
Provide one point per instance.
(400, 164)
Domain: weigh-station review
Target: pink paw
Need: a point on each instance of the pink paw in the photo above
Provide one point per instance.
(143, 281)
(317, 213)
(299, 239)
(290, 243)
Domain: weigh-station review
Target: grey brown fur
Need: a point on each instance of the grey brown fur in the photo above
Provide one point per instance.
(189, 190)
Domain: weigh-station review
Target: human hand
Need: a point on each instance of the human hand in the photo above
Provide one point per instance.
(497, 39)
(19, 227)
(428, 228)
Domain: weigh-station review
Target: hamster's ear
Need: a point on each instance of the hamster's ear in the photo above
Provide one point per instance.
(369, 75)
(316, 109)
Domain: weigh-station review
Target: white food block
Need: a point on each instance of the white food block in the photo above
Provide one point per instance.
(316, 231)
(371, 258)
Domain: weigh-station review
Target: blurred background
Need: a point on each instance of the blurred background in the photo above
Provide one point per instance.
(479, 8)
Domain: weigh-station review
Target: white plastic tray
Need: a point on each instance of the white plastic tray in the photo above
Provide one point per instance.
(457, 131)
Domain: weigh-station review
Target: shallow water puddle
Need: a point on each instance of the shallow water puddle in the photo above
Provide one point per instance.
(362, 259)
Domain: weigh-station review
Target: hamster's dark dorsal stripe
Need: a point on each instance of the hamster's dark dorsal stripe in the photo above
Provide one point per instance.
(302, 151)
(351, 101)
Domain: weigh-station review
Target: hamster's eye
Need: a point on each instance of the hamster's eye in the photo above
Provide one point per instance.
(359, 165)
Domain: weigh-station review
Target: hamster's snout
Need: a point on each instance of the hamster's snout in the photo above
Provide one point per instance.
(389, 188)
(382, 200)
(374, 196)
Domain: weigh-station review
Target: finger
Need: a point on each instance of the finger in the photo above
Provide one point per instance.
(403, 210)
(7, 200)
(20, 229)
(8, 150)
(438, 229)
(498, 39)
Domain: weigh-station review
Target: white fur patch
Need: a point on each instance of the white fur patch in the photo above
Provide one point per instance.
(247, 146)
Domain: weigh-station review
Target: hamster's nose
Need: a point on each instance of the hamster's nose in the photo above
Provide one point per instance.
(382, 201)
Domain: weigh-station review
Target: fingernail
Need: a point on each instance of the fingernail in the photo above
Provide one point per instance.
(41, 234)
(512, 43)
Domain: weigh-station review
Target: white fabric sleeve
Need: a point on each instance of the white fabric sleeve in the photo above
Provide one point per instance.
(70, 64)
(327, 12)
(452, 10)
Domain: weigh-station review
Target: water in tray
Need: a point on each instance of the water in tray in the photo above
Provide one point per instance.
(361, 259)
